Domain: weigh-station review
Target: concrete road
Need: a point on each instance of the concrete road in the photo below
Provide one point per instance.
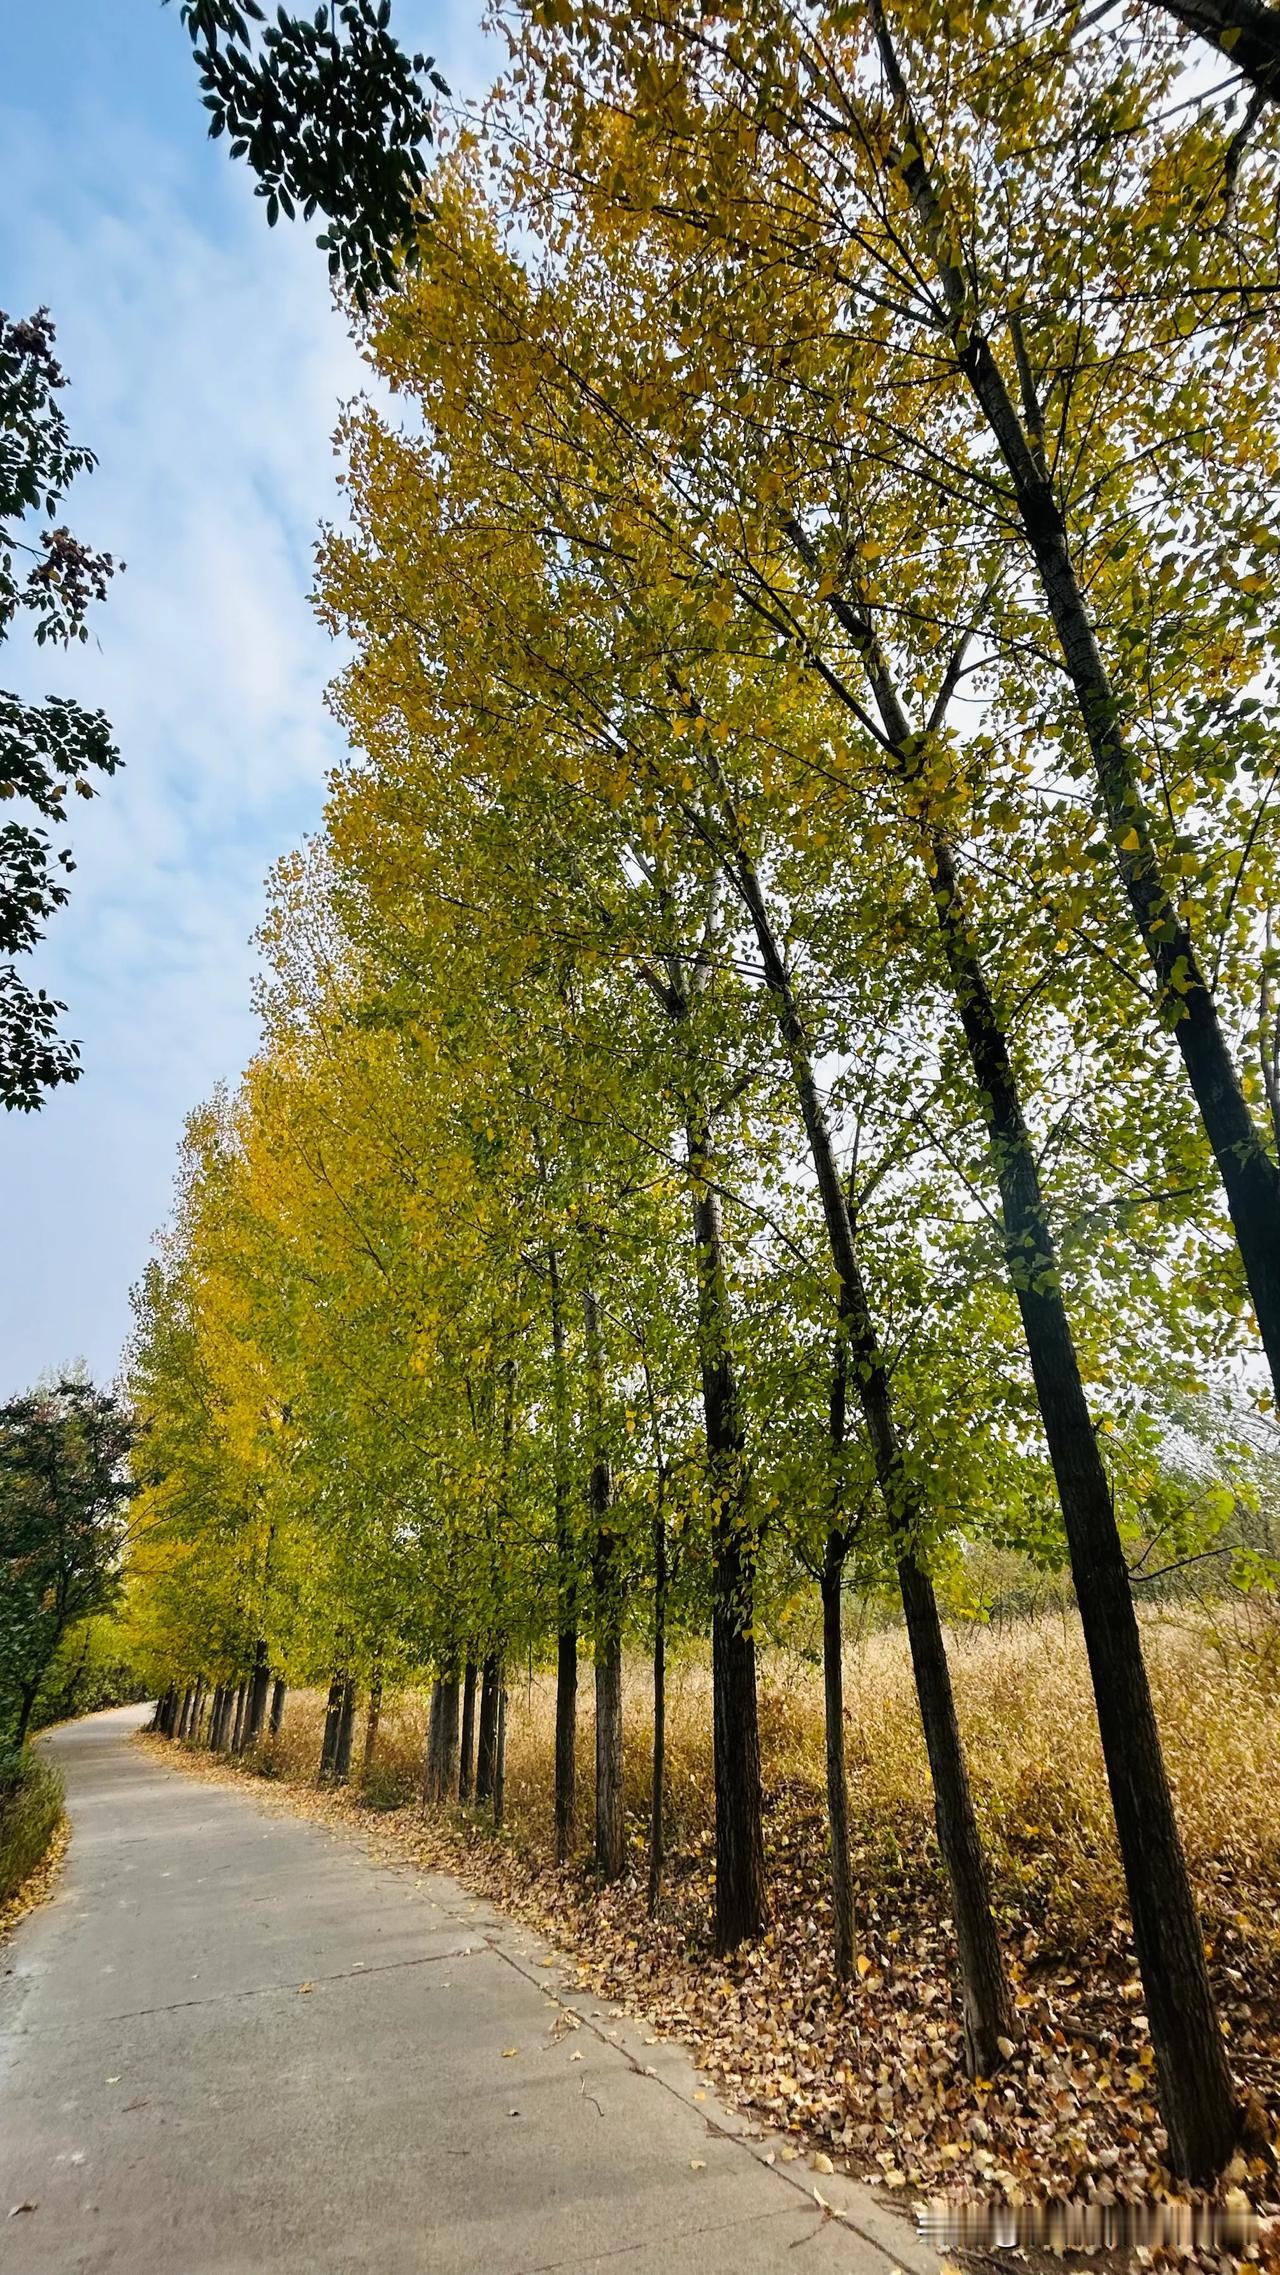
(232, 2044)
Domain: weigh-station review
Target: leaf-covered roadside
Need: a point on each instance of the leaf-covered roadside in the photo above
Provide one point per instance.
(877, 2081)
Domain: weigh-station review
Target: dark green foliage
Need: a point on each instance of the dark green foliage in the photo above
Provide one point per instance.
(331, 115)
(63, 1496)
(30, 1813)
(46, 749)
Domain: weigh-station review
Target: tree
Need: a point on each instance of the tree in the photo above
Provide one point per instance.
(64, 1491)
(331, 115)
(836, 404)
(46, 749)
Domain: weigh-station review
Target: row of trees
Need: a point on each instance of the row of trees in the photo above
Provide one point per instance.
(465, 1758)
(772, 1069)
(65, 1494)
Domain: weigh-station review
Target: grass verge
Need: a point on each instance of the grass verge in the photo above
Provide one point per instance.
(32, 1835)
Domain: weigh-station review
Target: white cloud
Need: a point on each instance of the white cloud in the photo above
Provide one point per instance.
(207, 367)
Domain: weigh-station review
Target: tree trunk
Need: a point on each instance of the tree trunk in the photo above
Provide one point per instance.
(566, 1771)
(26, 1710)
(1250, 1177)
(837, 1772)
(431, 1763)
(566, 1585)
(259, 1683)
(486, 1754)
(657, 1794)
(371, 1727)
(1245, 32)
(346, 1725)
(447, 1757)
(277, 1706)
(1248, 1171)
(215, 1718)
(237, 1735)
(332, 1717)
(184, 1712)
(500, 1759)
(987, 2003)
(1196, 2097)
(467, 1749)
(611, 1832)
(988, 2008)
(741, 1904)
(197, 1712)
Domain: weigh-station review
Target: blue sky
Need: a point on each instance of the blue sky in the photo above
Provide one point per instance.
(207, 366)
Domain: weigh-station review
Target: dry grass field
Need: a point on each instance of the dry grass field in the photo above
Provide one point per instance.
(874, 2079)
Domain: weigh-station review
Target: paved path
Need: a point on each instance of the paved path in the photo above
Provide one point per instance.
(234, 2045)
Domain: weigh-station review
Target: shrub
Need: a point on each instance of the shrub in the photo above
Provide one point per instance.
(30, 1813)
(389, 1785)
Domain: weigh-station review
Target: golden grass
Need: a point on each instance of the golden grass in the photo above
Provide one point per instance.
(1027, 1713)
